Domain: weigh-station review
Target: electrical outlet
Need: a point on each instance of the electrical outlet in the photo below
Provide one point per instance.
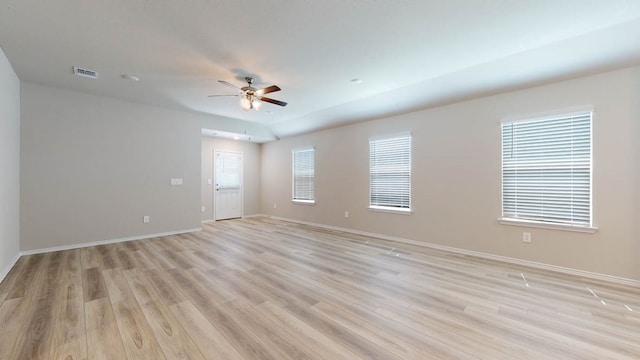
(346, 214)
(526, 237)
(145, 219)
(203, 209)
(275, 206)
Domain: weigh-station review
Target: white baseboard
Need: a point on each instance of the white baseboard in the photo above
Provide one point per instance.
(9, 266)
(538, 265)
(105, 242)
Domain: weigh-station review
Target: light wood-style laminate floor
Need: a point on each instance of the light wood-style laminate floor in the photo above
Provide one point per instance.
(266, 289)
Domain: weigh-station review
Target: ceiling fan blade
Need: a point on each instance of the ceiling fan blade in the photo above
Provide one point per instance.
(229, 84)
(220, 95)
(277, 102)
(268, 89)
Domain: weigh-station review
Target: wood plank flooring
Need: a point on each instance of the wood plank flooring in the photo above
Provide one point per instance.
(265, 289)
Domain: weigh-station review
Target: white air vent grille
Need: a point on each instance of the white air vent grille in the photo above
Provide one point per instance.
(85, 72)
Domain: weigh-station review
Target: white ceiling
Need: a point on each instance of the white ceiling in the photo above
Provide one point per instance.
(410, 54)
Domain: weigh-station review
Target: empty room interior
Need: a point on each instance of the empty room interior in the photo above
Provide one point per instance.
(319, 180)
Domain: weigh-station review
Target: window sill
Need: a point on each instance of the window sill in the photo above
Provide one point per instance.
(544, 225)
(304, 202)
(391, 210)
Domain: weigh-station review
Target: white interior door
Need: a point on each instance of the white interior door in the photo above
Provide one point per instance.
(228, 185)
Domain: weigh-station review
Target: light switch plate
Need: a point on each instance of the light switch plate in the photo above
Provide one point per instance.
(175, 182)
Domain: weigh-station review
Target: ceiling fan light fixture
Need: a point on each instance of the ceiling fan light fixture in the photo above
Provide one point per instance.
(256, 104)
(245, 103)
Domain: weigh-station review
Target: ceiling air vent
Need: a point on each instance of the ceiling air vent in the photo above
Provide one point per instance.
(85, 72)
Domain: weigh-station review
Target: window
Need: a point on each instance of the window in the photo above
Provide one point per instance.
(546, 170)
(390, 173)
(303, 175)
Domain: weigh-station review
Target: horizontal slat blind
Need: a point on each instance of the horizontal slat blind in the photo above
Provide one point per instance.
(546, 169)
(390, 172)
(303, 174)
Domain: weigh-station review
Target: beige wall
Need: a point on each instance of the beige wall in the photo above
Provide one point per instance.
(92, 167)
(9, 165)
(251, 156)
(456, 181)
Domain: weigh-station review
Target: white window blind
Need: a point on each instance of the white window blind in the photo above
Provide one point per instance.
(390, 172)
(303, 175)
(546, 169)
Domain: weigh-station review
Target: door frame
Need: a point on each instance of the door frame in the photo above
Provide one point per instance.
(213, 176)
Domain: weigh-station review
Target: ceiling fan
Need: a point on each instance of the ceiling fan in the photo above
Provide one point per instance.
(250, 97)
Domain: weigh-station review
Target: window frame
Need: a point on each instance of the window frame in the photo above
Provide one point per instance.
(529, 220)
(385, 208)
(294, 199)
